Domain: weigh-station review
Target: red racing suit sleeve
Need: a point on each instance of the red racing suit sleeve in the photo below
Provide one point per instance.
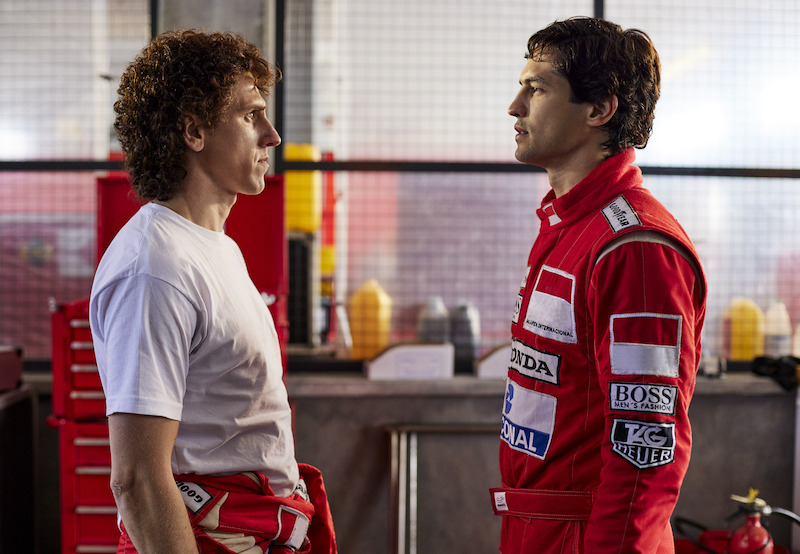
(646, 305)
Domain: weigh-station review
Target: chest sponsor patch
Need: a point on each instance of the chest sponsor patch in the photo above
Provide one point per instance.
(525, 278)
(550, 312)
(642, 397)
(645, 344)
(194, 496)
(517, 308)
(534, 363)
(644, 444)
(620, 215)
(528, 420)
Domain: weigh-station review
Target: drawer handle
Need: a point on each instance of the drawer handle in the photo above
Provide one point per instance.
(87, 470)
(84, 395)
(81, 345)
(85, 441)
(96, 510)
(79, 323)
(83, 368)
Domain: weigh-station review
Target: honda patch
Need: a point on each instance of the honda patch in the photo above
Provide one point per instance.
(642, 443)
(620, 215)
(528, 420)
(645, 344)
(534, 363)
(550, 311)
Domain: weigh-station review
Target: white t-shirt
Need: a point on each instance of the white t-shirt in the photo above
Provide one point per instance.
(181, 332)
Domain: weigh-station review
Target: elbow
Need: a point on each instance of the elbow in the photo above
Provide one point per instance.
(124, 484)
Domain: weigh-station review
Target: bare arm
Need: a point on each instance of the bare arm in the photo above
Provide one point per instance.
(149, 503)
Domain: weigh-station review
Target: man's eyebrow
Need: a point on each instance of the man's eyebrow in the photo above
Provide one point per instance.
(255, 107)
(533, 80)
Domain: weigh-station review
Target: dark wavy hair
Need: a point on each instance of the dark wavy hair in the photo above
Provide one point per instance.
(178, 73)
(599, 59)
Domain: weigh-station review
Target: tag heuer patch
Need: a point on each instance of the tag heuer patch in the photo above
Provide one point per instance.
(642, 443)
(620, 215)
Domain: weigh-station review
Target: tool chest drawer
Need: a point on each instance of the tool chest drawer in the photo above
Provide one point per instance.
(77, 390)
(88, 511)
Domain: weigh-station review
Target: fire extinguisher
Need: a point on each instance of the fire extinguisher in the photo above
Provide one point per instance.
(750, 538)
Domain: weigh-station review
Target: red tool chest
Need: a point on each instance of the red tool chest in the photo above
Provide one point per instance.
(88, 511)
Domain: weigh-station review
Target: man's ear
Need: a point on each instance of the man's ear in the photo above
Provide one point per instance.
(193, 132)
(603, 111)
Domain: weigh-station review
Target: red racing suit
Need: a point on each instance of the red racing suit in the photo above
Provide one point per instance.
(244, 504)
(605, 348)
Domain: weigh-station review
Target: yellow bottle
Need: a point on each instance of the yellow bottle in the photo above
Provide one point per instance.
(742, 330)
(370, 320)
(303, 189)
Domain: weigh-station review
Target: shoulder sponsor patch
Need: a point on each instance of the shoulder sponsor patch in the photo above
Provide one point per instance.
(644, 444)
(645, 344)
(550, 312)
(194, 496)
(642, 397)
(620, 215)
(534, 363)
(528, 420)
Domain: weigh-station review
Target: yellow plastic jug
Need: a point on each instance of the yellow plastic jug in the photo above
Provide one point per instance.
(742, 330)
(370, 320)
(303, 189)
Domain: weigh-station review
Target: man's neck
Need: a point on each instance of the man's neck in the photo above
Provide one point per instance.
(200, 208)
(563, 178)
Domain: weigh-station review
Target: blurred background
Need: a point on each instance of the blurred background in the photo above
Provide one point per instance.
(394, 120)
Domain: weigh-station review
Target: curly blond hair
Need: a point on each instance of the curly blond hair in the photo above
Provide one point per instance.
(178, 73)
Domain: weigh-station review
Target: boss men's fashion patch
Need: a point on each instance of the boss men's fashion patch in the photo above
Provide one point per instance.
(645, 344)
(642, 397)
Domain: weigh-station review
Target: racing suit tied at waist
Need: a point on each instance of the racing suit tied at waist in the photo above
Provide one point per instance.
(245, 503)
(543, 504)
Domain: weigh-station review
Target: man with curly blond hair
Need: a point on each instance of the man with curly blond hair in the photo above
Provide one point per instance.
(595, 436)
(202, 452)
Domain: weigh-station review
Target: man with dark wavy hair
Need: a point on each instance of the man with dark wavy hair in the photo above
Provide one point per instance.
(202, 452)
(595, 437)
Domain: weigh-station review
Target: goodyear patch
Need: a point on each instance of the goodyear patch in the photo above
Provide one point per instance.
(194, 496)
(620, 215)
